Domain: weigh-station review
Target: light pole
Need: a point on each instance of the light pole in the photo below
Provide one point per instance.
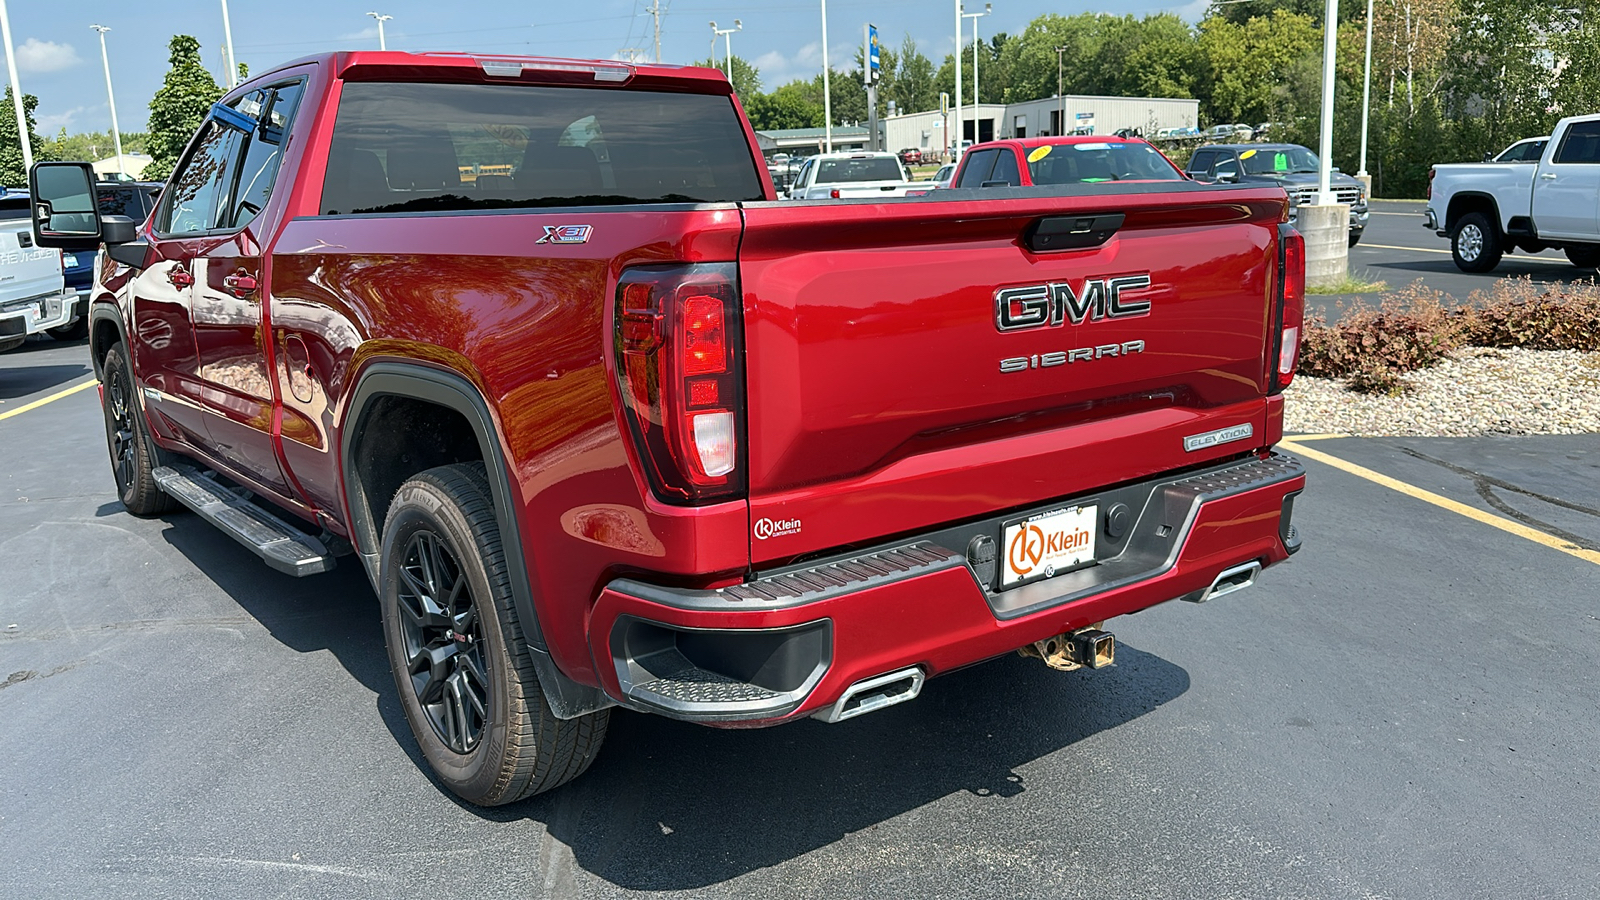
(827, 94)
(382, 44)
(16, 88)
(1061, 98)
(227, 41)
(727, 35)
(977, 132)
(1366, 102)
(111, 100)
(1330, 31)
(955, 140)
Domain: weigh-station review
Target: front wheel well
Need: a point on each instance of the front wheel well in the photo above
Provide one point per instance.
(399, 437)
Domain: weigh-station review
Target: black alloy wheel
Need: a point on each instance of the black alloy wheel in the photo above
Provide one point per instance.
(133, 454)
(121, 434)
(443, 642)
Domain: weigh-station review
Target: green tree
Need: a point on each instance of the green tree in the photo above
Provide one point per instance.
(92, 145)
(746, 77)
(794, 105)
(1258, 71)
(13, 173)
(180, 106)
(1239, 13)
(914, 89)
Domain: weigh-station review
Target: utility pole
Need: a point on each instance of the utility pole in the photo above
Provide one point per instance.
(111, 100)
(870, 74)
(227, 40)
(1330, 32)
(827, 94)
(654, 10)
(633, 53)
(16, 88)
(727, 35)
(1061, 98)
(956, 141)
(977, 132)
(382, 44)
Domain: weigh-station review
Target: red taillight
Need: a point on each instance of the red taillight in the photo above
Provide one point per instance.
(1431, 173)
(1292, 306)
(679, 370)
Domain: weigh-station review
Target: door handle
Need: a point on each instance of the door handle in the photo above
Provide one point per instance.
(180, 277)
(1548, 176)
(240, 284)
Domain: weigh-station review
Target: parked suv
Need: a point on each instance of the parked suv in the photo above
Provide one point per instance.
(1289, 166)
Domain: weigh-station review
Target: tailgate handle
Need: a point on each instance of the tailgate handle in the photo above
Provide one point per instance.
(1071, 232)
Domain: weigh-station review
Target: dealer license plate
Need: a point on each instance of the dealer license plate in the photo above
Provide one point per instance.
(1048, 544)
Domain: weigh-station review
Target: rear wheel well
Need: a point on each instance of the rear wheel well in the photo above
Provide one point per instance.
(399, 437)
(1465, 204)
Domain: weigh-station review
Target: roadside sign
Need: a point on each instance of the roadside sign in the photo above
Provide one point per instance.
(872, 51)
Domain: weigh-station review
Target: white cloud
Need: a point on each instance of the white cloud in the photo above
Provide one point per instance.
(1193, 12)
(45, 56)
(778, 69)
(50, 125)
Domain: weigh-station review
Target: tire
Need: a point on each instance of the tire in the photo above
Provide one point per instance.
(133, 457)
(1355, 238)
(1476, 244)
(11, 343)
(1586, 256)
(464, 673)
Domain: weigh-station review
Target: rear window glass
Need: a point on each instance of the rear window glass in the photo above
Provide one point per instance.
(424, 147)
(1081, 163)
(837, 171)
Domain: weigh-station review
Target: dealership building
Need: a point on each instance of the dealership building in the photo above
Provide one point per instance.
(925, 131)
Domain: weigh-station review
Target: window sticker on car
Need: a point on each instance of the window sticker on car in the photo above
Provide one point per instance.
(1039, 153)
(1247, 154)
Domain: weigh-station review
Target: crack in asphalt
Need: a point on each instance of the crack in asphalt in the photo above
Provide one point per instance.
(1485, 485)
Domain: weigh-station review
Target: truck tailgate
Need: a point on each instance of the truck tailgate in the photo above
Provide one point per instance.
(26, 271)
(884, 396)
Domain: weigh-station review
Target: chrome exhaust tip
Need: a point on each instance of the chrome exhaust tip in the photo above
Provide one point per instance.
(1235, 579)
(873, 694)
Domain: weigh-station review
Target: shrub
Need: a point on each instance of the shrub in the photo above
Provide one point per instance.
(1371, 348)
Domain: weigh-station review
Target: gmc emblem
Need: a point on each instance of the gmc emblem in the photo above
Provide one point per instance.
(1039, 305)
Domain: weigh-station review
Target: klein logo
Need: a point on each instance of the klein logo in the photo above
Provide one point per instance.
(1039, 305)
(771, 528)
(566, 234)
(1031, 545)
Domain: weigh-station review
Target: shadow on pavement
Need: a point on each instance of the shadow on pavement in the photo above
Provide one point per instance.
(669, 805)
(22, 380)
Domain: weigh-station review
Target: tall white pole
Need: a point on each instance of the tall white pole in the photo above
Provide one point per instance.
(955, 142)
(16, 88)
(382, 44)
(111, 100)
(227, 39)
(1366, 94)
(977, 115)
(1330, 32)
(827, 96)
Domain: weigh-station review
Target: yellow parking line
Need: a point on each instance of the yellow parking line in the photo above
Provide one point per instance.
(1316, 437)
(50, 399)
(1517, 258)
(1490, 519)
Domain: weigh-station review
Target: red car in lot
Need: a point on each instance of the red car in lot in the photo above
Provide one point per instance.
(1091, 159)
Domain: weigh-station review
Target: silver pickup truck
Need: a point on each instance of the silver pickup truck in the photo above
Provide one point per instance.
(33, 294)
(1486, 209)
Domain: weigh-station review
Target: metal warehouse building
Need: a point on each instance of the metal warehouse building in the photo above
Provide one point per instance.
(1084, 115)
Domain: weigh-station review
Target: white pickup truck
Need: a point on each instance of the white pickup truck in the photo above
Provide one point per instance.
(845, 176)
(33, 296)
(1486, 209)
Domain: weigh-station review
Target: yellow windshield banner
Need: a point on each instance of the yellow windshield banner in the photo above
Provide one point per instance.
(1039, 153)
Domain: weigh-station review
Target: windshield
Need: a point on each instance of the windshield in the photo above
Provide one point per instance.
(1087, 163)
(1278, 161)
(834, 171)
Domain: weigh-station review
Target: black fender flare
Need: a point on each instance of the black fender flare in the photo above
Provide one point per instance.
(568, 699)
(110, 312)
(1472, 198)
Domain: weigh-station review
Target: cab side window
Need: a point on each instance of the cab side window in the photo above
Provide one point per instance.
(1201, 163)
(274, 109)
(1228, 166)
(190, 206)
(1581, 144)
(1005, 170)
(978, 168)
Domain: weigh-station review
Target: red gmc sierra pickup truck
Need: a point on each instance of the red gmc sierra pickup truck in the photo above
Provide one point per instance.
(606, 424)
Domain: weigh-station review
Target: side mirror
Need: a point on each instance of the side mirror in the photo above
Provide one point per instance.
(65, 214)
(1227, 177)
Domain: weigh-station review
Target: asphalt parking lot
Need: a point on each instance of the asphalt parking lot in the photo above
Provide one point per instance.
(1396, 249)
(1405, 709)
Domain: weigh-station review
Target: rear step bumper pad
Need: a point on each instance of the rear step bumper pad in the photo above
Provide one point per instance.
(919, 603)
(279, 544)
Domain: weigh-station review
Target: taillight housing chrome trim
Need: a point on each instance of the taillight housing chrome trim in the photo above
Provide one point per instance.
(1289, 317)
(677, 346)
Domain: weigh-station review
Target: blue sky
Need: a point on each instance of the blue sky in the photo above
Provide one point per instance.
(58, 55)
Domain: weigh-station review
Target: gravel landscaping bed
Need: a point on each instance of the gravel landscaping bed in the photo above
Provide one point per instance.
(1480, 391)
